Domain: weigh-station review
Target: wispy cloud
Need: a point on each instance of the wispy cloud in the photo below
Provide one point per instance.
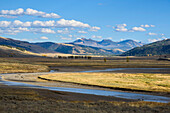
(138, 29)
(150, 33)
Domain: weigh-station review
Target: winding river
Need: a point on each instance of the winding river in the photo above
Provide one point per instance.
(127, 95)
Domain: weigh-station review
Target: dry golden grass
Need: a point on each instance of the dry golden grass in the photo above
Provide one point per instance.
(21, 68)
(147, 82)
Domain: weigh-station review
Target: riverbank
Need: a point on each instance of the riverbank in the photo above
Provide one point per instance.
(33, 78)
(19, 100)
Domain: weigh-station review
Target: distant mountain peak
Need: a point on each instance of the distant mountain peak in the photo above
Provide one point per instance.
(109, 44)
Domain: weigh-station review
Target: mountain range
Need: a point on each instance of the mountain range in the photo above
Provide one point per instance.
(85, 46)
(109, 44)
(80, 46)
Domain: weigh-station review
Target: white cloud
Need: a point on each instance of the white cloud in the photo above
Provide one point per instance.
(33, 12)
(42, 30)
(51, 15)
(163, 37)
(120, 28)
(18, 11)
(17, 23)
(153, 40)
(29, 11)
(146, 25)
(43, 37)
(46, 26)
(152, 25)
(71, 23)
(138, 29)
(95, 28)
(94, 36)
(152, 33)
(13, 31)
(7, 16)
(158, 39)
(82, 32)
(121, 25)
(50, 23)
(5, 23)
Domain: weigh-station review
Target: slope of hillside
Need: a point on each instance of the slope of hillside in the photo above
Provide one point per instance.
(156, 48)
(23, 44)
(108, 44)
(74, 48)
(13, 52)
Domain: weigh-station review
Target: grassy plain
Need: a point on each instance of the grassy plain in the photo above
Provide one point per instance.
(37, 64)
(28, 100)
(140, 81)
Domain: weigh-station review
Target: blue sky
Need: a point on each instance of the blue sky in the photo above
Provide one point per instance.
(68, 20)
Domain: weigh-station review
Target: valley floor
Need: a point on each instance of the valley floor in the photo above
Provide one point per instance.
(19, 99)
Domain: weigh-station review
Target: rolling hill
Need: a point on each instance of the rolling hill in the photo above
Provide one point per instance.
(156, 48)
(23, 44)
(7, 51)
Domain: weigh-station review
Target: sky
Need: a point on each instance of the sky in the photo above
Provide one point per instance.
(63, 21)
